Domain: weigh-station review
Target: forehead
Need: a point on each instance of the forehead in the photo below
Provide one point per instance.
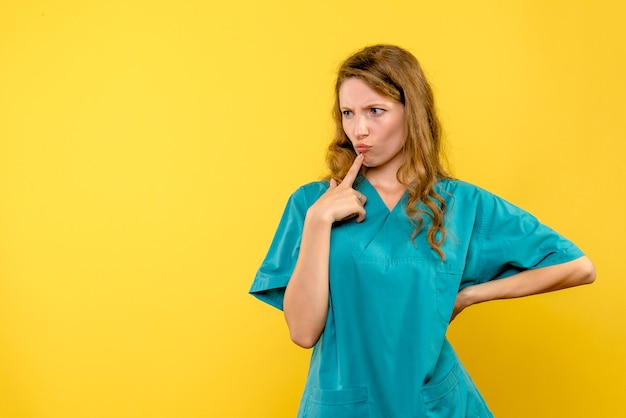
(354, 91)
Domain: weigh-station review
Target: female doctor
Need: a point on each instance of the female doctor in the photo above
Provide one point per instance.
(370, 266)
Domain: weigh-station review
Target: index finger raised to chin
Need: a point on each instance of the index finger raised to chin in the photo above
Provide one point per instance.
(348, 180)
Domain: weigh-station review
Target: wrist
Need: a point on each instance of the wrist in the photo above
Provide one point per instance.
(468, 297)
(318, 218)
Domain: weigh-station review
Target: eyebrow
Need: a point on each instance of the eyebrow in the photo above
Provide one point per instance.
(369, 106)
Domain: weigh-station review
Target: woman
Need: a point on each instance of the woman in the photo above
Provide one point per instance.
(371, 266)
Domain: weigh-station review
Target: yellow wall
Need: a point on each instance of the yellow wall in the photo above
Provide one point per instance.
(147, 149)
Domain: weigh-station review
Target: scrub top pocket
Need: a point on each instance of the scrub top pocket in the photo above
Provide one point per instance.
(454, 397)
(446, 285)
(345, 403)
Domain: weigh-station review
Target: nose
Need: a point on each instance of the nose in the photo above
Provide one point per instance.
(361, 128)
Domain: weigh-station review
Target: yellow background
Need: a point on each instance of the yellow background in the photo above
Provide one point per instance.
(147, 149)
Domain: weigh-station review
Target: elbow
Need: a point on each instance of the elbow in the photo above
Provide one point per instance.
(590, 276)
(304, 340)
(304, 332)
(586, 271)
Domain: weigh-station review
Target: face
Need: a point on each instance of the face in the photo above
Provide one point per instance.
(374, 124)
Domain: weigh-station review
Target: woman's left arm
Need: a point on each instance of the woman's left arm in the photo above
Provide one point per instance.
(529, 282)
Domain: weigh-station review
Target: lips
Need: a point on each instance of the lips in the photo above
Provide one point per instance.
(362, 148)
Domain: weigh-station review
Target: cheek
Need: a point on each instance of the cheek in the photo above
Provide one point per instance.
(399, 134)
(346, 129)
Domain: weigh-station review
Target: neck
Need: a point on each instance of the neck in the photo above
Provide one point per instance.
(385, 177)
(387, 185)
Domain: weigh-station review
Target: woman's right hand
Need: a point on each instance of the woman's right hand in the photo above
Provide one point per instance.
(306, 298)
(341, 201)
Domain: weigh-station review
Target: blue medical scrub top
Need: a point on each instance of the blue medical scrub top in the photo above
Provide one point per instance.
(383, 352)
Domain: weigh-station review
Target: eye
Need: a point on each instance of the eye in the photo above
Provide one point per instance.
(377, 111)
(346, 113)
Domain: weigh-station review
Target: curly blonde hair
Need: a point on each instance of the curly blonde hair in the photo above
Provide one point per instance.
(395, 73)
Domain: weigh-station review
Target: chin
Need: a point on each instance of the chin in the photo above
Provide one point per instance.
(367, 162)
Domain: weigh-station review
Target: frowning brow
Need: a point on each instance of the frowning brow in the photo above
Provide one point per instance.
(367, 106)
